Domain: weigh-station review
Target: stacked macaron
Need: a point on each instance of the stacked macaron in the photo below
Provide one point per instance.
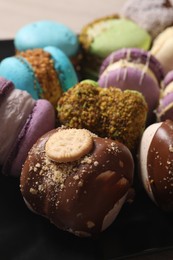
(44, 73)
(23, 121)
(107, 34)
(134, 69)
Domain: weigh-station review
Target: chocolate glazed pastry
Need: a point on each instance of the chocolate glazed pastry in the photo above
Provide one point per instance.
(156, 161)
(81, 191)
(160, 165)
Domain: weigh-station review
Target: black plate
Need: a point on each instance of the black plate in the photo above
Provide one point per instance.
(141, 228)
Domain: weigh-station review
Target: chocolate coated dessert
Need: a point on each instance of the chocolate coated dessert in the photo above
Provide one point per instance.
(156, 161)
(77, 180)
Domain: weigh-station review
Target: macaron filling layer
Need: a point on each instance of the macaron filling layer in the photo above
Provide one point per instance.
(168, 89)
(43, 67)
(164, 110)
(126, 64)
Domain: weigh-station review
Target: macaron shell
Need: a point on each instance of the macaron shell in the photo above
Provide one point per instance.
(19, 71)
(119, 34)
(40, 121)
(168, 78)
(162, 49)
(47, 33)
(64, 68)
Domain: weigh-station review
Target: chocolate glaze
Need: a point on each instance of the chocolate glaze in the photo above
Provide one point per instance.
(160, 165)
(88, 189)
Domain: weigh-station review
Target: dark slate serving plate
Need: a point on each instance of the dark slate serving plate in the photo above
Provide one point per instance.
(140, 229)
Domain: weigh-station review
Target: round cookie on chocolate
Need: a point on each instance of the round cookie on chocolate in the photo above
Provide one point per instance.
(77, 180)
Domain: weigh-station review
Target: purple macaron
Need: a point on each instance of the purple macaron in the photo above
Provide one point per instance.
(23, 121)
(134, 69)
(39, 122)
(165, 108)
(168, 79)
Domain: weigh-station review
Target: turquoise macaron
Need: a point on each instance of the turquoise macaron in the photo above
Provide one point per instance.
(44, 33)
(28, 71)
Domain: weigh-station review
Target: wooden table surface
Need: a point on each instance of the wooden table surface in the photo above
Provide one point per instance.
(73, 13)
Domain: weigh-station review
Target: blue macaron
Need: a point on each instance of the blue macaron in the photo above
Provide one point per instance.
(22, 73)
(47, 33)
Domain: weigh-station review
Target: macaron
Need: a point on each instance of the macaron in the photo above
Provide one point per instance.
(43, 33)
(135, 69)
(44, 73)
(153, 16)
(105, 35)
(162, 49)
(107, 112)
(165, 108)
(156, 167)
(23, 121)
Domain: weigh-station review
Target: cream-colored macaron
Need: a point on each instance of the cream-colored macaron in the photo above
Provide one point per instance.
(163, 49)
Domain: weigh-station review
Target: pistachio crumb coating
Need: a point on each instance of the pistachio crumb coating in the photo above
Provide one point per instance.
(43, 67)
(77, 107)
(123, 115)
(107, 112)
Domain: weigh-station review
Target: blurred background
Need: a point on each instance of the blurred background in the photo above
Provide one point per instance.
(74, 13)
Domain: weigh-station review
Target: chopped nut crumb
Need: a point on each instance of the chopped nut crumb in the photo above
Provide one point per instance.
(33, 191)
(90, 224)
